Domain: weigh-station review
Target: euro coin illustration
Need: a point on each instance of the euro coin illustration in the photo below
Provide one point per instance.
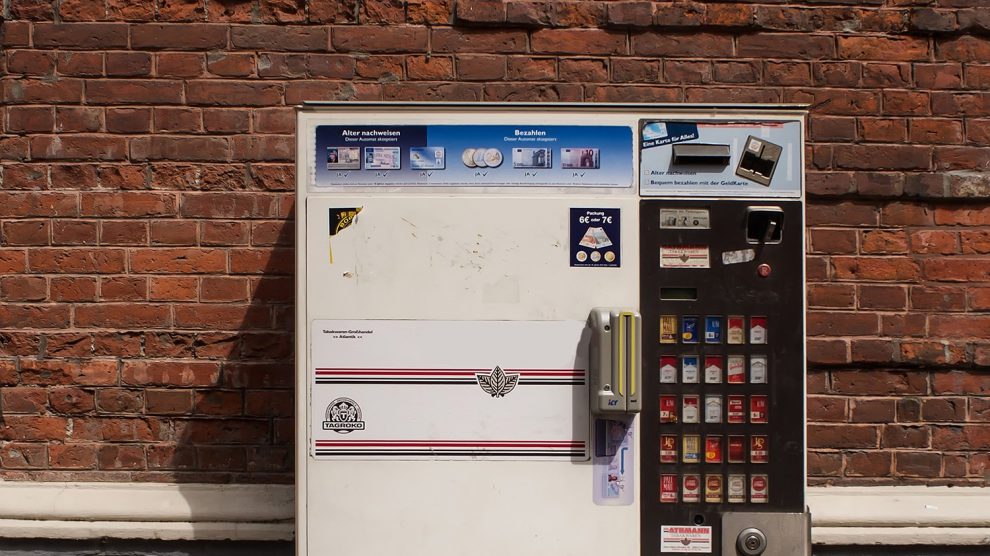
(467, 157)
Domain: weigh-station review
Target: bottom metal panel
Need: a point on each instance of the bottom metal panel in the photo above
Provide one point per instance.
(786, 534)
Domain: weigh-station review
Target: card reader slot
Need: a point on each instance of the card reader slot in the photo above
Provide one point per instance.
(701, 154)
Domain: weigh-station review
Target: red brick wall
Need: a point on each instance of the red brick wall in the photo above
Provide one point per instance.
(146, 159)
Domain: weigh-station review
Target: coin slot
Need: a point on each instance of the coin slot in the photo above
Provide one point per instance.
(699, 519)
(678, 294)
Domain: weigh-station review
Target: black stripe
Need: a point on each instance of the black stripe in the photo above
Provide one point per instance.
(535, 382)
(446, 453)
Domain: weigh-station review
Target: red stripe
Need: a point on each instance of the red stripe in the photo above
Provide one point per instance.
(428, 443)
(371, 370)
(446, 373)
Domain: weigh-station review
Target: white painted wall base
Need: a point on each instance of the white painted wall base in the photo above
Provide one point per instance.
(907, 515)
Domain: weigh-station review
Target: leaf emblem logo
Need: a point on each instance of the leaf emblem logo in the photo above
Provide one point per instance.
(497, 383)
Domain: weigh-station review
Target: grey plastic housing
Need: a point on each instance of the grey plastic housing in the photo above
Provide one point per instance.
(616, 361)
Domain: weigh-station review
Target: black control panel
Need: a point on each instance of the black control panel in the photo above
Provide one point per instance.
(722, 301)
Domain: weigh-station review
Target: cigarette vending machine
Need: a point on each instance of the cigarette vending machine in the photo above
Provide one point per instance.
(550, 329)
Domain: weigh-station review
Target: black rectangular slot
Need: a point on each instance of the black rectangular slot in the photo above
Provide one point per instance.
(678, 294)
(701, 153)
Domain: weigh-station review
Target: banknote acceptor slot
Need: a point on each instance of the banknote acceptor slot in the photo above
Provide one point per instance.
(616, 361)
(764, 224)
(701, 153)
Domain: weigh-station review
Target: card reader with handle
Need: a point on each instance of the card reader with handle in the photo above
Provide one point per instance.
(616, 360)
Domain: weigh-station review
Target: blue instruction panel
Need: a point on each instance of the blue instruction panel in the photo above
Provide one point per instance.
(474, 155)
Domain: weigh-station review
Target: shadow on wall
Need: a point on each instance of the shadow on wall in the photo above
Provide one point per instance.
(238, 432)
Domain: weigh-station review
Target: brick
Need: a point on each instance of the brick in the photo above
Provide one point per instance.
(883, 157)
(292, 38)
(222, 317)
(228, 64)
(868, 464)
(26, 232)
(385, 12)
(169, 373)
(482, 12)
(380, 39)
(938, 76)
(425, 12)
(30, 119)
(910, 103)
(228, 431)
(123, 288)
(23, 288)
(75, 232)
(673, 44)
(831, 295)
(128, 120)
(964, 49)
(876, 268)
(122, 315)
(223, 233)
(73, 289)
(957, 269)
(263, 148)
(72, 456)
(79, 261)
(903, 325)
(837, 74)
(165, 260)
(69, 119)
(882, 297)
(180, 64)
(159, 147)
(578, 41)
(842, 436)
(127, 64)
(872, 410)
(27, 400)
(31, 62)
(199, 36)
(71, 400)
(233, 93)
(464, 40)
(938, 298)
(17, 455)
(121, 457)
(879, 382)
(882, 48)
(127, 204)
(91, 372)
(883, 242)
(842, 324)
(630, 14)
(224, 120)
(827, 408)
(81, 36)
(119, 400)
(784, 45)
(943, 409)
(133, 91)
(169, 402)
(837, 101)
(178, 120)
(876, 74)
(218, 402)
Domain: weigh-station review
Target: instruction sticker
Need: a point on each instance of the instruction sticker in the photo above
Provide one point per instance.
(595, 237)
(684, 256)
(685, 539)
